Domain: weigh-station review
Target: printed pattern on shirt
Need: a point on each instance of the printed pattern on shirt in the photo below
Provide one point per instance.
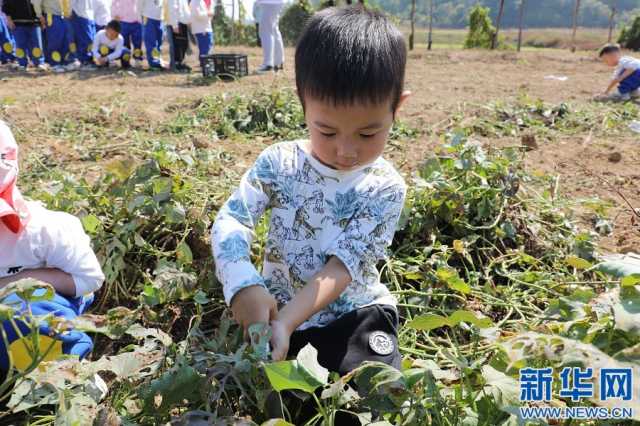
(314, 215)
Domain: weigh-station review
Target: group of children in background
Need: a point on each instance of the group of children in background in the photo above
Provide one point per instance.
(65, 35)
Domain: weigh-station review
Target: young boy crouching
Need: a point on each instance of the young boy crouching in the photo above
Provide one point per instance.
(626, 77)
(108, 47)
(47, 246)
(334, 202)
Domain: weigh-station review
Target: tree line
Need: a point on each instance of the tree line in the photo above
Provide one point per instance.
(539, 13)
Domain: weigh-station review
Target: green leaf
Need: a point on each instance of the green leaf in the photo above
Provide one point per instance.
(277, 422)
(630, 280)
(431, 321)
(466, 316)
(28, 289)
(174, 386)
(91, 223)
(121, 169)
(200, 297)
(453, 280)
(578, 262)
(286, 375)
(458, 284)
(428, 322)
(303, 373)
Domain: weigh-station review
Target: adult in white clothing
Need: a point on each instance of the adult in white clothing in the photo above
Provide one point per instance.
(272, 45)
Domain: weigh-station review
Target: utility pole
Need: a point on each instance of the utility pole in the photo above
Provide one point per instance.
(576, 12)
(413, 24)
(430, 40)
(612, 19)
(494, 42)
(523, 4)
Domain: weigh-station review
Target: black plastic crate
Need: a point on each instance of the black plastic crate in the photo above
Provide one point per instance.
(225, 65)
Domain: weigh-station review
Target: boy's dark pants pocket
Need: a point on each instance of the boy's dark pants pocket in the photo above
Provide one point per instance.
(365, 334)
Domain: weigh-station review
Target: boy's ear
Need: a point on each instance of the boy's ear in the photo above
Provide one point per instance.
(403, 98)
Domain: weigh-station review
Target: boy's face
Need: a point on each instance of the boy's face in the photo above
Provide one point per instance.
(611, 59)
(345, 137)
(112, 34)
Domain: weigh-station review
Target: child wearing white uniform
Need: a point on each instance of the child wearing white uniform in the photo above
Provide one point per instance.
(102, 11)
(272, 45)
(108, 46)
(44, 245)
(201, 14)
(152, 12)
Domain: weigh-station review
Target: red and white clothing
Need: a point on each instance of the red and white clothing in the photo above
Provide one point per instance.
(32, 237)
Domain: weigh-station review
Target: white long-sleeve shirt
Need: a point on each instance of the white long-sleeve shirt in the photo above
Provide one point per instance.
(83, 8)
(626, 63)
(178, 12)
(201, 16)
(126, 10)
(102, 41)
(316, 212)
(102, 11)
(151, 9)
(51, 240)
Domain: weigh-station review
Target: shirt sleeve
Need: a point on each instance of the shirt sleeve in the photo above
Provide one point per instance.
(117, 52)
(369, 233)
(233, 230)
(96, 46)
(64, 245)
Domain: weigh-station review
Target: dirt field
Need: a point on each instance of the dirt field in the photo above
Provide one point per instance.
(444, 84)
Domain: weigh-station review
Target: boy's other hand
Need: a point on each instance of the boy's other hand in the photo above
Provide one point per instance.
(253, 305)
(11, 24)
(43, 22)
(280, 337)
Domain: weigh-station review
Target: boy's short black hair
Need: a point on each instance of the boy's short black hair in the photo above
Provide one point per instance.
(609, 48)
(351, 54)
(114, 25)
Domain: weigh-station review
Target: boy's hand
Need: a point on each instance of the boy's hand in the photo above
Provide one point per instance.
(280, 336)
(43, 22)
(11, 24)
(253, 305)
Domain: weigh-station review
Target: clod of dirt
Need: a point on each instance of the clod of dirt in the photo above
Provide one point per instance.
(615, 157)
(201, 142)
(529, 142)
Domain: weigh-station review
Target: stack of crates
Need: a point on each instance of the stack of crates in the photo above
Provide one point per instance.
(225, 65)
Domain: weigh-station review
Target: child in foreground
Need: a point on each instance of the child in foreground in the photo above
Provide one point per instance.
(626, 77)
(334, 202)
(48, 246)
(108, 47)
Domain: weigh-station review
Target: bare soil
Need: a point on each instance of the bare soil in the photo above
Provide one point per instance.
(444, 83)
